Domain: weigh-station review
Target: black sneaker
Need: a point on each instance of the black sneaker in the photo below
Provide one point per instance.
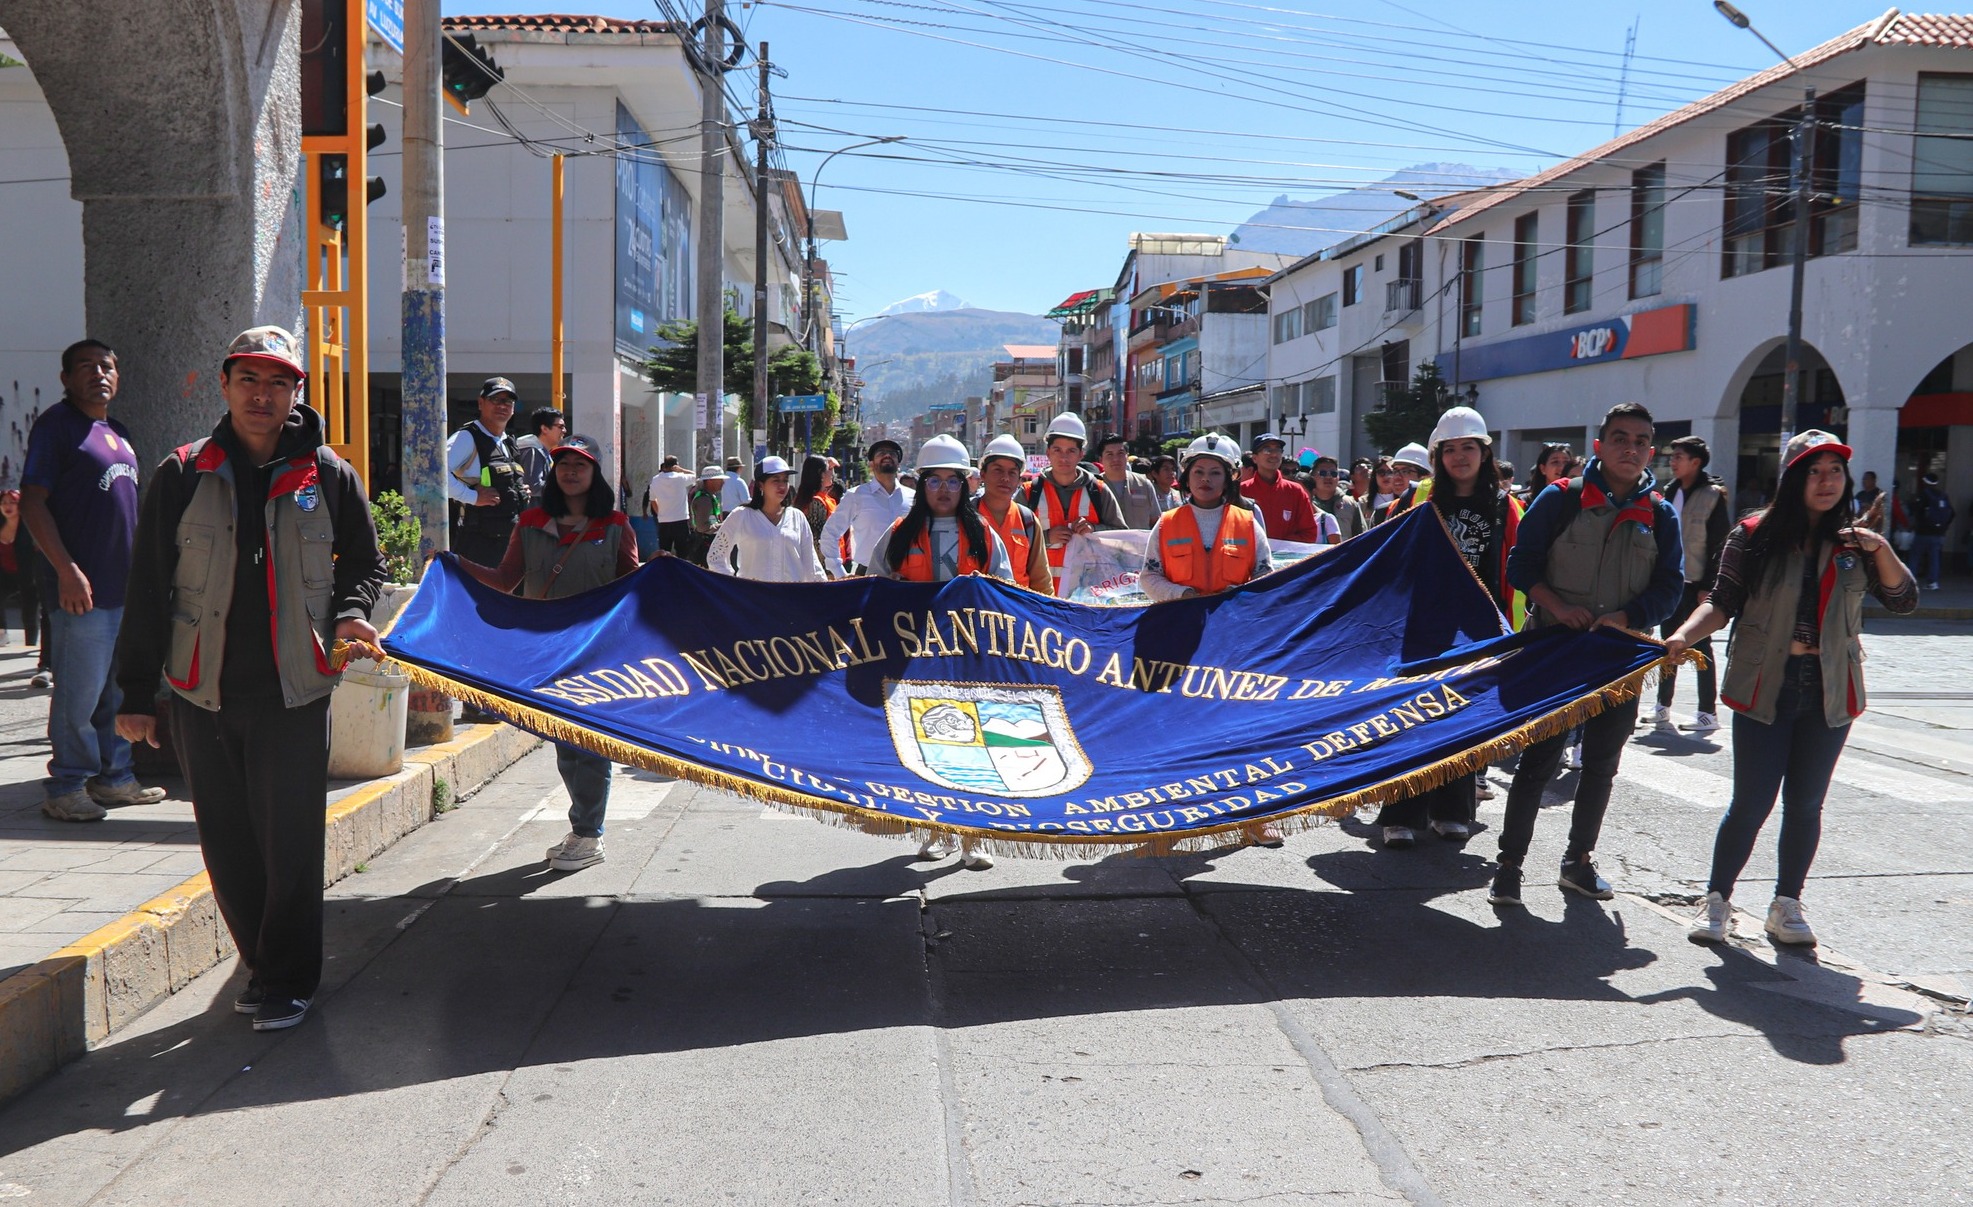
(1506, 888)
(1579, 876)
(279, 1012)
(250, 999)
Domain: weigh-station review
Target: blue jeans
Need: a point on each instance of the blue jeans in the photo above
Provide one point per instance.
(1925, 551)
(587, 777)
(82, 711)
(1794, 756)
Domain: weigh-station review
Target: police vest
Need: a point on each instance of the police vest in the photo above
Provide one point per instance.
(1188, 563)
(499, 471)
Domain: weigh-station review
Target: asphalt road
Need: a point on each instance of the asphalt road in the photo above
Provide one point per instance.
(742, 1007)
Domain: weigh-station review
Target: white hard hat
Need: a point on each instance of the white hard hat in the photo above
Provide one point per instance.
(1212, 444)
(1069, 424)
(1413, 454)
(944, 452)
(1460, 423)
(1004, 446)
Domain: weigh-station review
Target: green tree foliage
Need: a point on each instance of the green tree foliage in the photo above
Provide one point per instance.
(674, 366)
(1409, 415)
(397, 537)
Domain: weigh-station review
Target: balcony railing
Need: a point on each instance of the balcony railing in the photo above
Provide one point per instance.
(1401, 297)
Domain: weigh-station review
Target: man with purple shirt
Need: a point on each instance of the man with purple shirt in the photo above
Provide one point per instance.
(79, 499)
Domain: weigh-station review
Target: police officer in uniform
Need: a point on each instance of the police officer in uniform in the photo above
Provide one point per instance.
(484, 477)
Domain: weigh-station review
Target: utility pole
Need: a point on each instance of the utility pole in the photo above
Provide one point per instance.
(763, 138)
(711, 304)
(424, 277)
(1802, 168)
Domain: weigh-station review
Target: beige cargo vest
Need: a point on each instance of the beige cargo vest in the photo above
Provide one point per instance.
(301, 547)
(1604, 558)
(1757, 651)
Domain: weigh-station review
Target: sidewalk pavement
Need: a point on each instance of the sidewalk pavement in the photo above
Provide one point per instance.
(99, 921)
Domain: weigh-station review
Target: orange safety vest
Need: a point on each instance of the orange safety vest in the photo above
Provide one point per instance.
(1187, 563)
(1081, 507)
(917, 565)
(1014, 535)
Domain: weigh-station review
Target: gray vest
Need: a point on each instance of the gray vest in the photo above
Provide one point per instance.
(1758, 649)
(301, 541)
(1599, 561)
(590, 563)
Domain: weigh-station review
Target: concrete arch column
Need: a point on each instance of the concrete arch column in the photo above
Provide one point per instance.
(182, 124)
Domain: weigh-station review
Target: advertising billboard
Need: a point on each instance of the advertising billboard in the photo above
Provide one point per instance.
(654, 242)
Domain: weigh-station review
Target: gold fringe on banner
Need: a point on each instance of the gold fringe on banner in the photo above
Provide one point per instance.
(1048, 846)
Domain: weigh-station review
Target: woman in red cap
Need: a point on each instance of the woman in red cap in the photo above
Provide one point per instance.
(574, 541)
(1792, 577)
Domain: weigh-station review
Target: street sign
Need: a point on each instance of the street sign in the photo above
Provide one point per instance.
(386, 18)
(947, 406)
(794, 404)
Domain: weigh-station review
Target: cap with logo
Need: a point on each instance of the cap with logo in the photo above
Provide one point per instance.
(578, 446)
(277, 344)
(1808, 443)
(1266, 438)
(498, 385)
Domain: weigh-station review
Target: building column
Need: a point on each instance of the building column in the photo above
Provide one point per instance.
(1872, 434)
(184, 156)
(596, 396)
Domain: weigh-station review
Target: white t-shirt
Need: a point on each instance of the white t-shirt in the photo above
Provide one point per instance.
(767, 552)
(735, 493)
(671, 492)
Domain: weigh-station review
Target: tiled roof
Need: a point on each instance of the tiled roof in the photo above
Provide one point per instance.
(554, 23)
(1891, 29)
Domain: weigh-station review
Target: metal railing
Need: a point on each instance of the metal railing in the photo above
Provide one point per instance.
(1401, 296)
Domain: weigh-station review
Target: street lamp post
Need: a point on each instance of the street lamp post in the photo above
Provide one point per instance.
(1800, 170)
(814, 183)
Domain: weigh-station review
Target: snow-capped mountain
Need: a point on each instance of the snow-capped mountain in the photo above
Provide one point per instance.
(937, 299)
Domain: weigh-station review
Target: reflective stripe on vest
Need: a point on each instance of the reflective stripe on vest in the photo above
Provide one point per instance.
(1231, 561)
(917, 566)
(1081, 507)
(1013, 534)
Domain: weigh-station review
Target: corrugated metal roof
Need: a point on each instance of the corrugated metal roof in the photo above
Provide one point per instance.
(1893, 28)
(554, 23)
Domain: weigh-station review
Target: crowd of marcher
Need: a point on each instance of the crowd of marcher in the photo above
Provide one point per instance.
(216, 603)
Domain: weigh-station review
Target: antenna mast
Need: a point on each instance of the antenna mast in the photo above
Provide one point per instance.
(1623, 77)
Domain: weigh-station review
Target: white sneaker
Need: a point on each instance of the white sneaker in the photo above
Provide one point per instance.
(1931, 586)
(938, 846)
(1659, 716)
(1785, 923)
(1714, 923)
(975, 861)
(1452, 829)
(42, 679)
(1397, 838)
(1705, 722)
(1482, 790)
(1573, 761)
(575, 853)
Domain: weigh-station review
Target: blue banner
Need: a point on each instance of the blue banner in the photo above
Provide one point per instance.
(1375, 670)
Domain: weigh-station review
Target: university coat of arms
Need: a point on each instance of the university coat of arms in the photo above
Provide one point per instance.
(995, 740)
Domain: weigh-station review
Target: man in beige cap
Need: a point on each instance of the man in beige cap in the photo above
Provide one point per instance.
(255, 553)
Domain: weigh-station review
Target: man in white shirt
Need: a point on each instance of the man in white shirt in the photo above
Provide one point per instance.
(735, 494)
(867, 512)
(671, 493)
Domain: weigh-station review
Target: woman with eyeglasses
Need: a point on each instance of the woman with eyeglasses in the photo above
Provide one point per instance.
(765, 539)
(940, 538)
(1392, 485)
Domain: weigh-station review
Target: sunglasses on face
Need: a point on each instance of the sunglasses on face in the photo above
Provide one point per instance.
(1326, 473)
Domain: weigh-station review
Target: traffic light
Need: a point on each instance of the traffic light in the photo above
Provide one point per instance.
(469, 72)
(332, 179)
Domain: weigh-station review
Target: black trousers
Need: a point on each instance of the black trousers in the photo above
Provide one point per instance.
(674, 537)
(259, 777)
(1604, 736)
(1455, 800)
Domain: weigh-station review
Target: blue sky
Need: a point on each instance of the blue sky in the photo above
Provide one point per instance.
(1040, 133)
